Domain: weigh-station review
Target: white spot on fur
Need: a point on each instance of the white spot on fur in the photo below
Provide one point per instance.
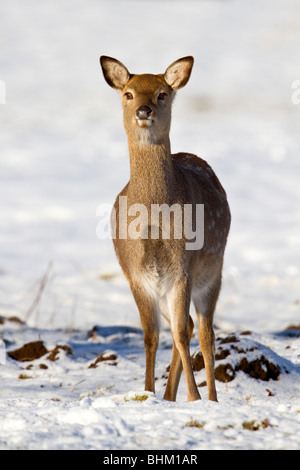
(161, 290)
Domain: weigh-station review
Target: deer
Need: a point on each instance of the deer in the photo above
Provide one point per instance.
(165, 277)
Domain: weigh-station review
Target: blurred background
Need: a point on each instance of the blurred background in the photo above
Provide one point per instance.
(63, 150)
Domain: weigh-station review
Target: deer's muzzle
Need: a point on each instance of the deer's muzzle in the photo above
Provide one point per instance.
(143, 112)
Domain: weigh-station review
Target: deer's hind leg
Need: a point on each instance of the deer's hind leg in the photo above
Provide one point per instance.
(182, 327)
(205, 303)
(176, 368)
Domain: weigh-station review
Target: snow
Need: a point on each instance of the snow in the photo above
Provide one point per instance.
(64, 152)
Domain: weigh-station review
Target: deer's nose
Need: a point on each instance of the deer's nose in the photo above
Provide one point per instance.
(143, 112)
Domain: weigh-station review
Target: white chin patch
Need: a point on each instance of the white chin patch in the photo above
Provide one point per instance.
(144, 122)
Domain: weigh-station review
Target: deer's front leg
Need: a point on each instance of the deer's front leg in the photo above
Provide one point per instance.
(149, 319)
(181, 334)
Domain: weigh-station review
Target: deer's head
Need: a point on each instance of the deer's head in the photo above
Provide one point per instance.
(147, 98)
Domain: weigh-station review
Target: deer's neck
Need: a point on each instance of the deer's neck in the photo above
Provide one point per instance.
(151, 171)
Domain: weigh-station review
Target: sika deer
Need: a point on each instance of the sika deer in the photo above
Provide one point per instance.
(164, 276)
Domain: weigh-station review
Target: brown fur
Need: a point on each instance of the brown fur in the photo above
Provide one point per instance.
(163, 275)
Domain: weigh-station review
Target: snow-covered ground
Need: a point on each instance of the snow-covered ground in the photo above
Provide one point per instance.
(63, 152)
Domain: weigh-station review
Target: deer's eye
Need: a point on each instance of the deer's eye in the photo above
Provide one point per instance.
(162, 96)
(129, 95)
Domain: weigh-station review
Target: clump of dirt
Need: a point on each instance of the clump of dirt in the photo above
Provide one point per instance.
(236, 353)
(29, 351)
(224, 373)
(12, 319)
(221, 354)
(243, 355)
(54, 354)
(291, 331)
(197, 361)
(104, 357)
(35, 350)
(293, 327)
(261, 368)
(229, 339)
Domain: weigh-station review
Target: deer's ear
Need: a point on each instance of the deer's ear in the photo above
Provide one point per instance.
(115, 73)
(178, 73)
